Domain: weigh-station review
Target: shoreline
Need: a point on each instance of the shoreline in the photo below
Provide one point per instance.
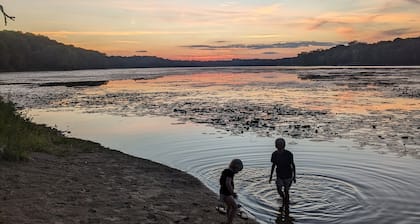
(46, 177)
(105, 186)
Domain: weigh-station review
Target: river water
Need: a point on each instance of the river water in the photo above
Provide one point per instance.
(353, 132)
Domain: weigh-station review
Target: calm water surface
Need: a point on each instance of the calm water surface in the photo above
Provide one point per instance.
(354, 131)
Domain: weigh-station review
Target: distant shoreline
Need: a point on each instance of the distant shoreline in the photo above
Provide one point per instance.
(282, 67)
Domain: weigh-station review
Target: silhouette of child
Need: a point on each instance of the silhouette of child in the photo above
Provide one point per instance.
(227, 194)
(285, 172)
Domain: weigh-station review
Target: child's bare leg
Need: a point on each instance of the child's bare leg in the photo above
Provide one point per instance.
(280, 191)
(232, 208)
(286, 196)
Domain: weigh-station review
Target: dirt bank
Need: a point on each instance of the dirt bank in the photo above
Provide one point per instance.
(102, 187)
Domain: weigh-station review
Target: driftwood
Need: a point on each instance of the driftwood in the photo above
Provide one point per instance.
(6, 16)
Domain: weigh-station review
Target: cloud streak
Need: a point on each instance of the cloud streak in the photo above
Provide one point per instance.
(269, 52)
(397, 32)
(414, 1)
(113, 33)
(263, 46)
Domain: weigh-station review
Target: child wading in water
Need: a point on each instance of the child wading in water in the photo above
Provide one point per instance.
(285, 172)
(227, 194)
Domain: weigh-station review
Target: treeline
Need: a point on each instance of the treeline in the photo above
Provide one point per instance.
(23, 52)
(396, 52)
(28, 52)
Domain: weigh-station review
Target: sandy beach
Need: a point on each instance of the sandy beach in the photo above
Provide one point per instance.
(104, 186)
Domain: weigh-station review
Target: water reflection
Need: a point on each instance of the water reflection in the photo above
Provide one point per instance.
(376, 107)
(284, 216)
(208, 80)
(274, 103)
(269, 87)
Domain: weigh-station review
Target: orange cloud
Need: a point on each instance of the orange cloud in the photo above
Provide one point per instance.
(111, 33)
(347, 32)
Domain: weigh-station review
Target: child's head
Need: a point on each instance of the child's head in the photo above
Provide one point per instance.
(236, 165)
(280, 143)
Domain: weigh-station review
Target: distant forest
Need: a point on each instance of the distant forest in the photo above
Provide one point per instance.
(28, 52)
(396, 52)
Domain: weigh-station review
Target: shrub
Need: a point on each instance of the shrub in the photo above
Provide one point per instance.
(19, 137)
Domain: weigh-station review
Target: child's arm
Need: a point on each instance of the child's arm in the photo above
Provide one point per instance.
(294, 171)
(271, 174)
(229, 185)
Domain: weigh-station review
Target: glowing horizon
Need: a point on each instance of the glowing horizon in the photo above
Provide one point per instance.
(214, 30)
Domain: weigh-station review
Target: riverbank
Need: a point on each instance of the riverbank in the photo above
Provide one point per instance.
(99, 185)
(102, 187)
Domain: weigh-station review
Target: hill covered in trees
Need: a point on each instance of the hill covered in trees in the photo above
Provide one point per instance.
(396, 52)
(28, 52)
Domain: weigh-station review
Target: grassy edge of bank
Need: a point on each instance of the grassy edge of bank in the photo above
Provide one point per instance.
(19, 137)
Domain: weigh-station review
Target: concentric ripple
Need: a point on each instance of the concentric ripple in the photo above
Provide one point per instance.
(317, 196)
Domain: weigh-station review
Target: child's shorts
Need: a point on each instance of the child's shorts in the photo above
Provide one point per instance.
(284, 182)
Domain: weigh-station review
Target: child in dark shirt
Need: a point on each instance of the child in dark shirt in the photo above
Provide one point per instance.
(286, 170)
(227, 194)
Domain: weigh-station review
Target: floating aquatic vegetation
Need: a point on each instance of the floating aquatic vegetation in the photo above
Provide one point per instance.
(375, 107)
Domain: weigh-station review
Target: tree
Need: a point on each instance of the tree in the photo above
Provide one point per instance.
(6, 16)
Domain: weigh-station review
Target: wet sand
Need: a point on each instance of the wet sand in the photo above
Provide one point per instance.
(106, 186)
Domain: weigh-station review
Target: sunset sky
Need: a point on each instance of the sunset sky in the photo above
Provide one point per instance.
(210, 30)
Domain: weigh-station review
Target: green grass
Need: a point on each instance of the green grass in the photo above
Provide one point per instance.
(19, 137)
